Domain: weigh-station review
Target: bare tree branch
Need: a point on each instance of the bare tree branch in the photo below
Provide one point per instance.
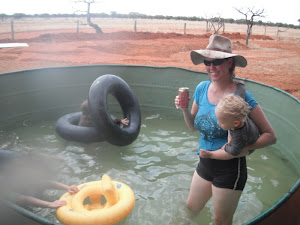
(279, 31)
(252, 14)
(212, 23)
(88, 14)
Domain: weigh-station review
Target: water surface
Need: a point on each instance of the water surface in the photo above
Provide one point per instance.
(158, 167)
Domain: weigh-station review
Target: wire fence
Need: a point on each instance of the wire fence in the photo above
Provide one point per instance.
(10, 28)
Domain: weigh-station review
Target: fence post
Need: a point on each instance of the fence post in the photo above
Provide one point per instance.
(12, 30)
(265, 30)
(184, 28)
(77, 26)
(135, 26)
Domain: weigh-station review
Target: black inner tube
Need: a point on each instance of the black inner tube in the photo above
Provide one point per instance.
(67, 127)
(117, 87)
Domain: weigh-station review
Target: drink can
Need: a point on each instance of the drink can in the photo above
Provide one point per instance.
(183, 93)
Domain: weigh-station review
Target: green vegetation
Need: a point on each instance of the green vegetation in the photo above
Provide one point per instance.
(134, 15)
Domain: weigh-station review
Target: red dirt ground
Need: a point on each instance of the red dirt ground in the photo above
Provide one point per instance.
(270, 61)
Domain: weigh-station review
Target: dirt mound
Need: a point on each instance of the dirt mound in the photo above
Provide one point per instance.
(69, 37)
(237, 35)
(239, 46)
(274, 62)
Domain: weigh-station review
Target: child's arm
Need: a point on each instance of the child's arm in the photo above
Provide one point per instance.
(56, 185)
(124, 121)
(28, 200)
(220, 154)
(229, 139)
(235, 144)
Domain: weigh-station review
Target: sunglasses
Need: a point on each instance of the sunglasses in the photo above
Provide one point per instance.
(215, 62)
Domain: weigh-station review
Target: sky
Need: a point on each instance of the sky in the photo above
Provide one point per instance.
(275, 11)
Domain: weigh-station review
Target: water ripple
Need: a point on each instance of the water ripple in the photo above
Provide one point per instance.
(158, 167)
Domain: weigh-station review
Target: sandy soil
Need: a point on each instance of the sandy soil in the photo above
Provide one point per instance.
(270, 61)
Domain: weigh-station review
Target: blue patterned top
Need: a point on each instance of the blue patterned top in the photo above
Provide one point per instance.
(212, 136)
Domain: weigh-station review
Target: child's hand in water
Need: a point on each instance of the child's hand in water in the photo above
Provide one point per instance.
(57, 204)
(125, 121)
(73, 189)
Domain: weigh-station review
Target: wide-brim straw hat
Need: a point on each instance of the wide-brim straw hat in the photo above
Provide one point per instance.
(219, 47)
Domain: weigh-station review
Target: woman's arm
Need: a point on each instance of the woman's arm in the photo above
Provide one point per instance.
(221, 154)
(267, 134)
(188, 116)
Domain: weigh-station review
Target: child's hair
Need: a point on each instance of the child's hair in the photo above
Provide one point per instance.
(85, 107)
(235, 106)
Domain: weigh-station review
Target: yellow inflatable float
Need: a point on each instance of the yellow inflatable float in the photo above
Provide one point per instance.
(119, 203)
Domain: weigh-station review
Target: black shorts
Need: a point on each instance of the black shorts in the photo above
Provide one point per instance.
(230, 174)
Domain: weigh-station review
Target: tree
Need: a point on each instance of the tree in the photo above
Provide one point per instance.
(214, 22)
(217, 24)
(88, 15)
(250, 22)
(19, 15)
(278, 31)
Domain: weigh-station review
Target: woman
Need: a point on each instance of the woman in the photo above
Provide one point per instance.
(224, 180)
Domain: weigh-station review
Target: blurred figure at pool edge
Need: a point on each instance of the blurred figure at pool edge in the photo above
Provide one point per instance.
(28, 201)
(24, 177)
(224, 180)
(86, 119)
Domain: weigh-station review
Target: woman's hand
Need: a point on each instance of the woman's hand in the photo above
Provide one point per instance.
(205, 153)
(177, 102)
